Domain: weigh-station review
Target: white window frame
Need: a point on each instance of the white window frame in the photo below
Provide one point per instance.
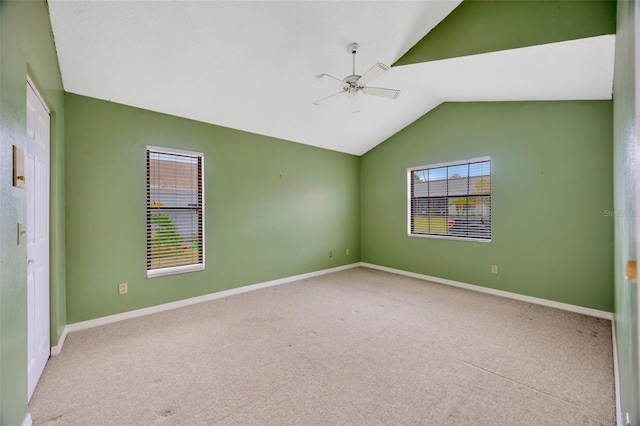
(409, 175)
(158, 272)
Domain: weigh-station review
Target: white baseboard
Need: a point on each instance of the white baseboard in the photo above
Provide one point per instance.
(27, 420)
(97, 322)
(530, 299)
(70, 328)
(55, 350)
(616, 374)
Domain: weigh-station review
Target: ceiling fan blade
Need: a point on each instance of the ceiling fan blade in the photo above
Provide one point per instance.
(318, 102)
(354, 101)
(379, 91)
(376, 71)
(329, 78)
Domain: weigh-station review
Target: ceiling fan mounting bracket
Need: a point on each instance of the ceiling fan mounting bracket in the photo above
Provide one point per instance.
(352, 48)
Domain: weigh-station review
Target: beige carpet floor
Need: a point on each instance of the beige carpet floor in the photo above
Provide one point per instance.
(354, 347)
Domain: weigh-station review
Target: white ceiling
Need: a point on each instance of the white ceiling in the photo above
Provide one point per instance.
(250, 65)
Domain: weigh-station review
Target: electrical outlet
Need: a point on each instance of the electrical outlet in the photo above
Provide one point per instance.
(494, 269)
(346, 252)
(122, 288)
(330, 254)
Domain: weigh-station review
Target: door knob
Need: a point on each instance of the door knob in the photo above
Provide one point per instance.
(31, 261)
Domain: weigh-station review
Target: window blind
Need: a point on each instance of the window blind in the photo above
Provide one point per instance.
(451, 200)
(175, 211)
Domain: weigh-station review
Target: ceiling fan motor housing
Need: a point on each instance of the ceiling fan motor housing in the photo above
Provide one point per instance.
(352, 80)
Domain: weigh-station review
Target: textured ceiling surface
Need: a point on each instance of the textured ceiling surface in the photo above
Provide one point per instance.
(250, 65)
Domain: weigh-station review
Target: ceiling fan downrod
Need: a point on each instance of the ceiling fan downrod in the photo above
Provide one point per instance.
(353, 49)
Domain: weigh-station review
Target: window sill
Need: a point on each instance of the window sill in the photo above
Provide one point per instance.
(447, 237)
(152, 273)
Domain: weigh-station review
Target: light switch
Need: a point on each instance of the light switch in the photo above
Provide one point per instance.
(21, 233)
(18, 167)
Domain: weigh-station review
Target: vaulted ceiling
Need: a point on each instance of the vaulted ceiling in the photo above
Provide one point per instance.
(250, 65)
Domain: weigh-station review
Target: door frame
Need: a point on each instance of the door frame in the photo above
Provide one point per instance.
(34, 87)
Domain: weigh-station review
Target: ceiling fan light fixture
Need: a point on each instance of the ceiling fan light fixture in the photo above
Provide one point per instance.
(353, 84)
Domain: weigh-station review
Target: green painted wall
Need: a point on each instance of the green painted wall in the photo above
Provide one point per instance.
(481, 26)
(626, 188)
(551, 185)
(273, 208)
(26, 46)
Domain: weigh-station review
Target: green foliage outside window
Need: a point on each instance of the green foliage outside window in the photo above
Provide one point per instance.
(164, 234)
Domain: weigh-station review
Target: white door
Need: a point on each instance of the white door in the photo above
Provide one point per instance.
(36, 164)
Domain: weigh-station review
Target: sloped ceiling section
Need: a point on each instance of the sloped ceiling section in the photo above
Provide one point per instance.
(251, 65)
(477, 27)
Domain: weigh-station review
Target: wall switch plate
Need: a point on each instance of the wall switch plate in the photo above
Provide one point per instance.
(18, 167)
(347, 252)
(494, 269)
(122, 288)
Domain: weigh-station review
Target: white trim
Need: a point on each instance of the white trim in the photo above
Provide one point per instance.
(38, 95)
(70, 328)
(450, 163)
(166, 150)
(161, 272)
(27, 420)
(44, 152)
(57, 349)
(97, 322)
(530, 299)
(447, 237)
(410, 182)
(616, 373)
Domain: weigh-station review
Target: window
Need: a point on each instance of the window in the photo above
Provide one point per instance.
(451, 200)
(175, 211)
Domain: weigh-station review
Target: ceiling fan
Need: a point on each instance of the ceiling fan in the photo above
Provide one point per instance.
(354, 84)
